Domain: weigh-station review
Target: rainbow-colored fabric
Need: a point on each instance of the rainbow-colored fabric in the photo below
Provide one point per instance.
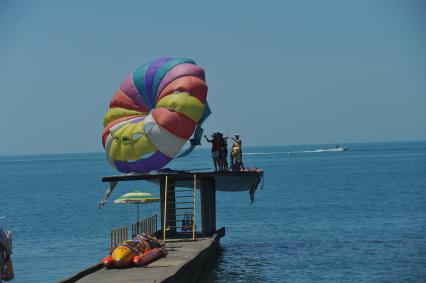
(154, 113)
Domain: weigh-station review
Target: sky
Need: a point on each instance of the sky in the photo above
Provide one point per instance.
(279, 72)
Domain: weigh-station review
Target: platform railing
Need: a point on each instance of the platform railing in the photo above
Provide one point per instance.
(146, 226)
(118, 235)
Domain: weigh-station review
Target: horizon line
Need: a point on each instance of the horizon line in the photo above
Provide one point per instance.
(207, 147)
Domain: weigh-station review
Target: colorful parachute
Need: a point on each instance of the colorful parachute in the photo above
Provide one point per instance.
(154, 113)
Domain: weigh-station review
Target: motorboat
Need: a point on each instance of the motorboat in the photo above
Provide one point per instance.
(338, 148)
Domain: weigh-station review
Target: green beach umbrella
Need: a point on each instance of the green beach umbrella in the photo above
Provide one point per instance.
(136, 198)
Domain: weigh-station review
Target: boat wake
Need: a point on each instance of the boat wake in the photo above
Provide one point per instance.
(269, 153)
(339, 149)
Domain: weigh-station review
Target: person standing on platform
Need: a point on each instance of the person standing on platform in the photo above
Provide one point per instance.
(215, 141)
(223, 152)
(237, 153)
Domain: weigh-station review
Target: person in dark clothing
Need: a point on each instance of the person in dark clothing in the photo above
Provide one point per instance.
(215, 141)
(223, 152)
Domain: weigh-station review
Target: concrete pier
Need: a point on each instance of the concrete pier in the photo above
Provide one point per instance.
(188, 254)
(185, 262)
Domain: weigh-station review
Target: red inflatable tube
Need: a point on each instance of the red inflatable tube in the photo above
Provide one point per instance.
(149, 256)
(108, 262)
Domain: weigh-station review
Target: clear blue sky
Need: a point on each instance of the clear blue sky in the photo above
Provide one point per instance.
(279, 72)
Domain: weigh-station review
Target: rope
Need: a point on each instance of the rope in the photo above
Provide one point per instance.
(221, 125)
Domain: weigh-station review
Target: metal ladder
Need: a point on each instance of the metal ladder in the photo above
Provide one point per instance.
(179, 210)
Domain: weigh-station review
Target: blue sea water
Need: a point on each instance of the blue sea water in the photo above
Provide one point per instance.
(355, 216)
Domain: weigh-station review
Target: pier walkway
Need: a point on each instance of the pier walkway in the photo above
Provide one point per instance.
(184, 263)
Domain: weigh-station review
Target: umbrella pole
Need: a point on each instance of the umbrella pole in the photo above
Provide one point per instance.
(138, 212)
(137, 223)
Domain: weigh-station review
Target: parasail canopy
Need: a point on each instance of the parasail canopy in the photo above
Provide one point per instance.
(156, 110)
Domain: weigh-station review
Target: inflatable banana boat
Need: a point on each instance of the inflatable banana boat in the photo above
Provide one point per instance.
(137, 252)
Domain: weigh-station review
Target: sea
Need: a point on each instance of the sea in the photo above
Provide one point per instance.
(318, 216)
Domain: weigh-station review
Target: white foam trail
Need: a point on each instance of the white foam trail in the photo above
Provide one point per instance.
(296, 151)
(330, 150)
(268, 153)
